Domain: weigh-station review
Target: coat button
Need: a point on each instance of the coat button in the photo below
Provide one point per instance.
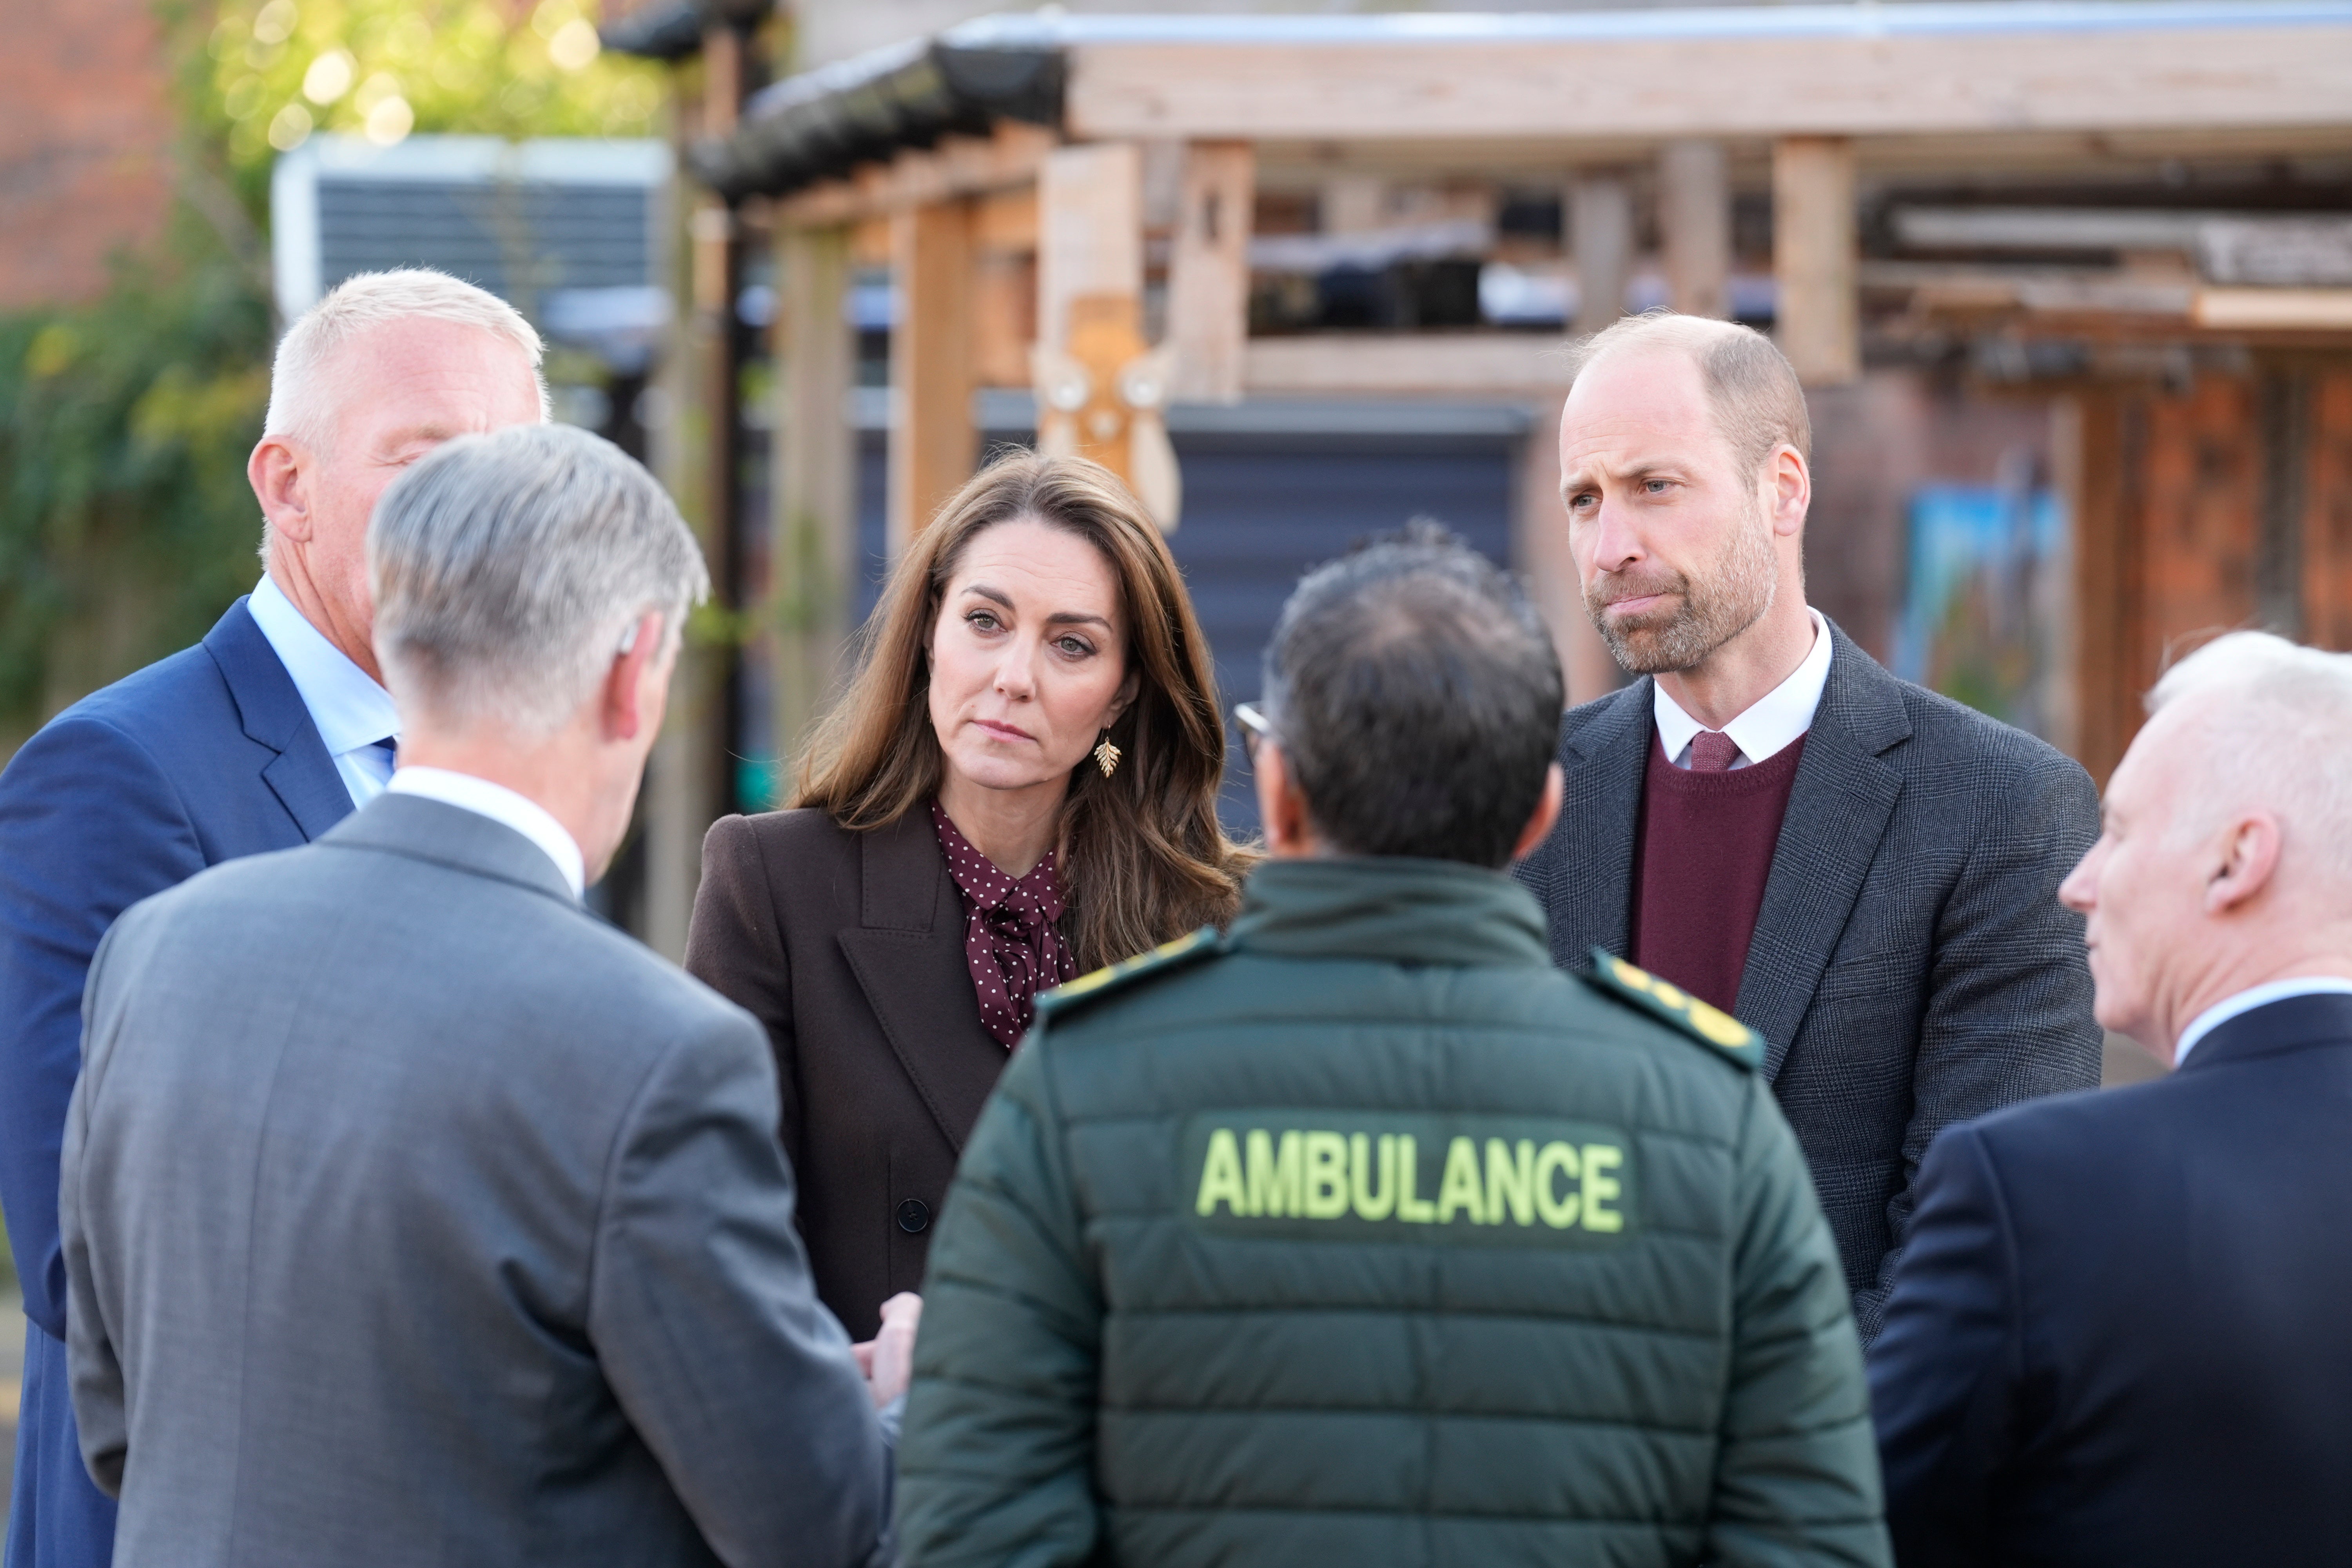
(914, 1216)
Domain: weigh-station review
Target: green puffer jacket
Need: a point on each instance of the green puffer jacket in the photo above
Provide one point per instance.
(1364, 1236)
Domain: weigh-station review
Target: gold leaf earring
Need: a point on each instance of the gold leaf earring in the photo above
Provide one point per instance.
(1105, 755)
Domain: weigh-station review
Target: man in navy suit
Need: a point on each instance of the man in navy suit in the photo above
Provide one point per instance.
(2119, 1335)
(260, 737)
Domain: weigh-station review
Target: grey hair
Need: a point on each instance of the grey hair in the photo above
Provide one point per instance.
(302, 391)
(1416, 696)
(506, 569)
(2274, 729)
(1758, 400)
(303, 388)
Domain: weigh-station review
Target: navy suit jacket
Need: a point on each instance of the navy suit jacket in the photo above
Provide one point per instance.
(2122, 1331)
(208, 755)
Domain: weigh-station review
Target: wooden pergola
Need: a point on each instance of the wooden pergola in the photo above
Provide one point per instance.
(1020, 174)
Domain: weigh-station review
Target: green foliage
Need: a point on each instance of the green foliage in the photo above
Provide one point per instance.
(124, 513)
(270, 72)
(126, 525)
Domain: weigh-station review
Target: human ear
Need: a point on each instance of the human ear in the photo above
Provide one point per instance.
(278, 475)
(1789, 489)
(2249, 855)
(1546, 813)
(1280, 806)
(630, 703)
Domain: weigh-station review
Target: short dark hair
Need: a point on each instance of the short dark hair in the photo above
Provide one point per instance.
(1416, 696)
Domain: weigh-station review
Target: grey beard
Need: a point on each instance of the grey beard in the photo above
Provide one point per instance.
(1731, 598)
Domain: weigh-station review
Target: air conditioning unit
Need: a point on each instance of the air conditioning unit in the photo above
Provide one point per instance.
(571, 231)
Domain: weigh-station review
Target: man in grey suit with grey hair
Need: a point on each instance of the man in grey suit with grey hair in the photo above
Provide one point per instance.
(412, 1215)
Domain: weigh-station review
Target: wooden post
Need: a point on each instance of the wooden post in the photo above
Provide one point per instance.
(1600, 232)
(1695, 225)
(688, 781)
(1101, 390)
(1208, 270)
(932, 442)
(813, 516)
(1813, 258)
(1090, 232)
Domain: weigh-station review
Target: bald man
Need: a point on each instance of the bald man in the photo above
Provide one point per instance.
(1861, 871)
(2117, 1336)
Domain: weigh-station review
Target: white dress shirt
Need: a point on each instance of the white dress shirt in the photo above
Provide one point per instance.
(351, 712)
(501, 806)
(2229, 1007)
(1771, 724)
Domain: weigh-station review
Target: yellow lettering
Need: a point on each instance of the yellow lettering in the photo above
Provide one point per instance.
(1326, 1175)
(1414, 1210)
(1666, 990)
(1510, 1180)
(1220, 1177)
(1559, 1212)
(1370, 1205)
(1600, 1189)
(1460, 1187)
(1274, 1184)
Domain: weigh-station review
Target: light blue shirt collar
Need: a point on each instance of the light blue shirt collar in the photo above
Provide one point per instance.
(351, 712)
(2229, 1008)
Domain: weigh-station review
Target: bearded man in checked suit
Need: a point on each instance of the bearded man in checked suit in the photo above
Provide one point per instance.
(1863, 872)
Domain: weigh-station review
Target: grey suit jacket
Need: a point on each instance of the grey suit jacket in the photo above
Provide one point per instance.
(1911, 967)
(412, 1215)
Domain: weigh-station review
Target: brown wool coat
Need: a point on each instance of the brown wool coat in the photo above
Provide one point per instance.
(849, 948)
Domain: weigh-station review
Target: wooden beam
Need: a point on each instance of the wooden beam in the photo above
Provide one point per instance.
(1090, 232)
(1208, 270)
(1814, 257)
(1694, 227)
(1600, 233)
(812, 515)
(932, 442)
(1895, 83)
(957, 166)
(1480, 364)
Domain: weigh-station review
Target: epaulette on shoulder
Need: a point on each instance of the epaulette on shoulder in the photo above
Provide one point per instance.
(1711, 1025)
(1164, 959)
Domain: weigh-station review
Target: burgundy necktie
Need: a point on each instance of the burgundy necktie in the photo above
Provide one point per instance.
(1712, 751)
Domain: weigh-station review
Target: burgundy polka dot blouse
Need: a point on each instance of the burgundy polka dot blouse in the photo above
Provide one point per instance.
(1011, 942)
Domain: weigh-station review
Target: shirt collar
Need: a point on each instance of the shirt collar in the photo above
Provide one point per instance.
(1771, 724)
(2229, 1008)
(349, 709)
(501, 806)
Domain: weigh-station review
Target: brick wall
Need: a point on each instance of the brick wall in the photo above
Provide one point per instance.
(85, 141)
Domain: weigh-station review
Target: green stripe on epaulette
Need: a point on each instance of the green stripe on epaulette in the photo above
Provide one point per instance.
(1168, 955)
(1662, 999)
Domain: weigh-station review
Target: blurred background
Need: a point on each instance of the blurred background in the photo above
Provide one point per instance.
(2069, 282)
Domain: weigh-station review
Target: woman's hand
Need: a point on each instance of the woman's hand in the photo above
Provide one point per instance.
(888, 1359)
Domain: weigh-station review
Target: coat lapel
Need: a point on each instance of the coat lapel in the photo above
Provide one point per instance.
(908, 955)
(1587, 889)
(1838, 810)
(302, 775)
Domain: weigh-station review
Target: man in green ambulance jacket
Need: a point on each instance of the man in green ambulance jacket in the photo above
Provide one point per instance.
(1361, 1234)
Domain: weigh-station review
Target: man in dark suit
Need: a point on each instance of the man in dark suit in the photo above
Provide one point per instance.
(1861, 871)
(2118, 1333)
(262, 737)
(411, 1213)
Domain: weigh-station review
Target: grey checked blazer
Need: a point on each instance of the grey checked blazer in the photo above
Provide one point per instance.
(1911, 967)
(412, 1215)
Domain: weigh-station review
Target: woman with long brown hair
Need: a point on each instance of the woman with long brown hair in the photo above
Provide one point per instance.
(1019, 785)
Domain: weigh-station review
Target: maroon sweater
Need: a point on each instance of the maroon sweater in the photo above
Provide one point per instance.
(1700, 859)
